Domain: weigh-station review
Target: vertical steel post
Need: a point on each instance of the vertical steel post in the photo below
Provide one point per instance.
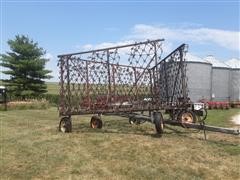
(87, 79)
(68, 85)
(166, 80)
(61, 103)
(176, 78)
(157, 74)
(114, 84)
(135, 84)
(183, 74)
(155, 53)
(155, 81)
(151, 86)
(109, 78)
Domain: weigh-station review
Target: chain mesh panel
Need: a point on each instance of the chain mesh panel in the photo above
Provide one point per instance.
(120, 79)
(170, 82)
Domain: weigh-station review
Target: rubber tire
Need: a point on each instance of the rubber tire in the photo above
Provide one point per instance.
(190, 112)
(204, 114)
(96, 122)
(158, 121)
(65, 123)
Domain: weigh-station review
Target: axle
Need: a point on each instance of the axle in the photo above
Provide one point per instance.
(204, 127)
(190, 125)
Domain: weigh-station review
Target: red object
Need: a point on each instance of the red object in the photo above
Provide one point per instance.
(216, 104)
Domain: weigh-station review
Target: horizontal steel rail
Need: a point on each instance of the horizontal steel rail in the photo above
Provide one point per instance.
(204, 127)
(115, 47)
(189, 125)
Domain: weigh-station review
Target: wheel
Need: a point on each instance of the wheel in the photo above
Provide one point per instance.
(205, 113)
(132, 120)
(158, 121)
(187, 116)
(173, 114)
(65, 125)
(96, 122)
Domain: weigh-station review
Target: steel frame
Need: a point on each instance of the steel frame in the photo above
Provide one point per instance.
(125, 78)
(128, 79)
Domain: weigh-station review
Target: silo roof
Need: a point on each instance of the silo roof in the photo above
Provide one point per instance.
(192, 58)
(215, 62)
(233, 63)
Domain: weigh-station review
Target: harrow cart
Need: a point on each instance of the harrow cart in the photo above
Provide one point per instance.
(129, 80)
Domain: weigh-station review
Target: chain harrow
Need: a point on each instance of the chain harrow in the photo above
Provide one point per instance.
(121, 79)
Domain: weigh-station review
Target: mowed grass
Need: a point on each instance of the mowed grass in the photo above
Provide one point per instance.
(218, 117)
(32, 148)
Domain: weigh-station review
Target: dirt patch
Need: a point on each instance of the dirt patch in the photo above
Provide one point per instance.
(236, 119)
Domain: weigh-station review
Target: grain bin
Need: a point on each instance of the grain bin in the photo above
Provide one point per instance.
(199, 78)
(235, 79)
(221, 78)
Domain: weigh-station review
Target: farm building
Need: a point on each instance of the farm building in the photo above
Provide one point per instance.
(211, 79)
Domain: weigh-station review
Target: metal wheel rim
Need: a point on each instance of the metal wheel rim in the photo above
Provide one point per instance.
(131, 121)
(161, 125)
(187, 117)
(63, 127)
(94, 124)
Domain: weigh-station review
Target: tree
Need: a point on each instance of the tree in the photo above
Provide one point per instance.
(25, 66)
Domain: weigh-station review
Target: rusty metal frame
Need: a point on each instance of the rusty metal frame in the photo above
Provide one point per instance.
(170, 81)
(125, 78)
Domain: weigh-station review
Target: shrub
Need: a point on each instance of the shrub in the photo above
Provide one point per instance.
(53, 99)
(28, 104)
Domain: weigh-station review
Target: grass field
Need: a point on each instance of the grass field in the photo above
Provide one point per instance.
(32, 148)
(52, 87)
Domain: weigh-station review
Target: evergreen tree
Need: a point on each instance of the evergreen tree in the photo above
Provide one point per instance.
(25, 66)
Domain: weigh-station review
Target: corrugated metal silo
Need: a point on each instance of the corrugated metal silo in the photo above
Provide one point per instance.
(235, 79)
(199, 78)
(221, 78)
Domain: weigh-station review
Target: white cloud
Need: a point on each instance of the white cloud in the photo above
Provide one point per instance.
(199, 35)
(48, 56)
(227, 39)
(105, 45)
(167, 47)
(234, 63)
(85, 47)
(194, 58)
(52, 65)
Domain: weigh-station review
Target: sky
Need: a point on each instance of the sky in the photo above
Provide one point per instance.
(59, 27)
